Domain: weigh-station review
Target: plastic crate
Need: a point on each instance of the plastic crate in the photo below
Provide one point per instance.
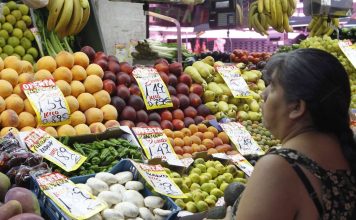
(53, 212)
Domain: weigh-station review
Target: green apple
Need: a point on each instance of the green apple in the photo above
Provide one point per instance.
(231, 169)
(240, 180)
(209, 201)
(213, 181)
(180, 203)
(187, 181)
(207, 187)
(219, 180)
(178, 181)
(168, 171)
(216, 162)
(197, 195)
(185, 188)
(188, 197)
(199, 161)
(202, 167)
(191, 207)
(196, 170)
(220, 168)
(228, 177)
(208, 175)
(202, 206)
(205, 194)
(240, 174)
(194, 186)
(223, 186)
(213, 171)
(195, 178)
(209, 163)
(212, 197)
(175, 175)
(217, 192)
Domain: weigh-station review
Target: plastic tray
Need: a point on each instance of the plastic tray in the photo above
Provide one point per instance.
(53, 212)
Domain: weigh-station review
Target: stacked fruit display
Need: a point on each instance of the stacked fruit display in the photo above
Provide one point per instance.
(322, 26)
(199, 138)
(332, 46)
(205, 184)
(16, 39)
(80, 82)
(255, 60)
(127, 98)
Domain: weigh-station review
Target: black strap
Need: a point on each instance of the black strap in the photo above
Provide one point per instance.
(309, 188)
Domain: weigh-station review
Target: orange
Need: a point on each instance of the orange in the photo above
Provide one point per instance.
(223, 136)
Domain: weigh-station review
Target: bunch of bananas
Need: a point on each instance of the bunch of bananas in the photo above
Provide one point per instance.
(67, 17)
(274, 13)
(239, 15)
(320, 26)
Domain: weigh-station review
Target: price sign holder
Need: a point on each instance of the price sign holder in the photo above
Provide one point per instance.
(74, 202)
(156, 145)
(234, 80)
(241, 163)
(241, 138)
(153, 89)
(349, 50)
(156, 176)
(40, 142)
(48, 102)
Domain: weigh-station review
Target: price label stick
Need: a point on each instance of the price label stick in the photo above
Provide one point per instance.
(153, 89)
(48, 102)
(45, 145)
(233, 79)
(241, 138)
(75, 202)
(157, 177)
(156, 145)
(349, 50)
(241, 163)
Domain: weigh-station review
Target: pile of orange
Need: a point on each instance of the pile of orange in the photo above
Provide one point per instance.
(199, 138)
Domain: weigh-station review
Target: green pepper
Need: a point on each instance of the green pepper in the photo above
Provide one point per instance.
(95, 160)
(92, 154)
(104, 154)
(96, 168)
(113, 151)
(108, 160)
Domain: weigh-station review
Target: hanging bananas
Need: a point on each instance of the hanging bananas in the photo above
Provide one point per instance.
(274, 13)
(67, 17)
(320, 26)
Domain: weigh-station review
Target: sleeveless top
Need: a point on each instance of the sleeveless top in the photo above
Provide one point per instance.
(338, 198)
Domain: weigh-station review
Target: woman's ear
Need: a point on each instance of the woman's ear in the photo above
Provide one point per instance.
(297, 110)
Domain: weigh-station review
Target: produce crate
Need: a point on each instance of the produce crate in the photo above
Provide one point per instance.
(53, 212)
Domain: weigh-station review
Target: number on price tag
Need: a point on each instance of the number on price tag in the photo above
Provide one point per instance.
(154, 91)
(48, 102)
(156, 145)
(157, 177)
(235, 82)
(241, 138)
(349, 50)
(241, 163)
(42, 143)
(75, 202)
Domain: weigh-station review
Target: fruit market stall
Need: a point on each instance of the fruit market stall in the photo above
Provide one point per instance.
(84, 136)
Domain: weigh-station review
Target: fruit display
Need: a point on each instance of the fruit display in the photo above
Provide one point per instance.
(80, 82)
(254, 60)
(16, 38)
(274, 13)
(205, 184)
(199, 138)
(127, 98)
(103, 155)
(332, 46)
(320, 26)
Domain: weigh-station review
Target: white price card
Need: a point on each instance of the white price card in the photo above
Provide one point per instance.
(156, 176)
(156, 144)
(220, 156)
(349, 50)
(153, 89)
(241, 138)
(48, 102)
(241, 163)
(233, 79)
(187, 161)
(40, 142)
(76, 203)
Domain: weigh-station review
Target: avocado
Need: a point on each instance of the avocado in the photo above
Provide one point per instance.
(233, 192)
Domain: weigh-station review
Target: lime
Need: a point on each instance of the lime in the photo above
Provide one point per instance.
(26, 43)
(12, 5)
(17, 32)
(11, 19)
(4, 34)
(17, 14)
(3, 55)
(2, 42)
(8, 49)
(27, 20)
(8, 27)
(13, 41)
(20, 50)
(29, 35)
(33, 51)
(21, 24)
(23, 8)
(28, 57)
(5, 10)
(16, 55)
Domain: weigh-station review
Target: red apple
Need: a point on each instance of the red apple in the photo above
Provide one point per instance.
(123, 92)
(197, 89)
(109, 75)
(126, 67)
(178, 124)
(190, 112)
(175, 102)
(89, 51)
(123, 79)
(164, 77)
(114, 66)
(176, 68)
(135, 90)
(172, 80)
(113, 58)
(102, 63)
(182, 89)
(109, 86)
(100, 55)
(162, 67)
(186, 79)
(165, 124)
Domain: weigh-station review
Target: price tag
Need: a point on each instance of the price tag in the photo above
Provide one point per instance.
(75, 202)
(241, 163)
(47, 146)
(156, 145)
(48, 102)
(349, 50)
(241, 138)
(187, 161)
(235, 82)
(154, 91)
(220, 156)
(157, 177)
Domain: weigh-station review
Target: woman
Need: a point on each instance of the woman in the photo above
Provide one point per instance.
(313, 175)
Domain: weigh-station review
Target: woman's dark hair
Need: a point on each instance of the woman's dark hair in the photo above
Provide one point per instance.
(319, 79)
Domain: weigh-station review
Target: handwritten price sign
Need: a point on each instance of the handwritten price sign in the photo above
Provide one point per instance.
(48, 102)
(154, 91)
(156, 145)
(241, 163)
(76, 203)
(157, 177)
(349, 50)
(241, 138)
(42, 143)
(235, 82)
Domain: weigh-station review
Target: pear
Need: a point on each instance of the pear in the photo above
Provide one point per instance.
(226, 90)
(261, 84)
(223, 186)
(232, 107)
(242, 115)
(223, 106)
(218, 78)
(254, 106)
(231, 113)
(217, 192)
(197, 195)
(180, 203)
(233, 100)
(220, 115)
(212, 106)
(209, 96)
(215, 88)
(191, 207)
(254, 116)
(202, 206)
(209, 60)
